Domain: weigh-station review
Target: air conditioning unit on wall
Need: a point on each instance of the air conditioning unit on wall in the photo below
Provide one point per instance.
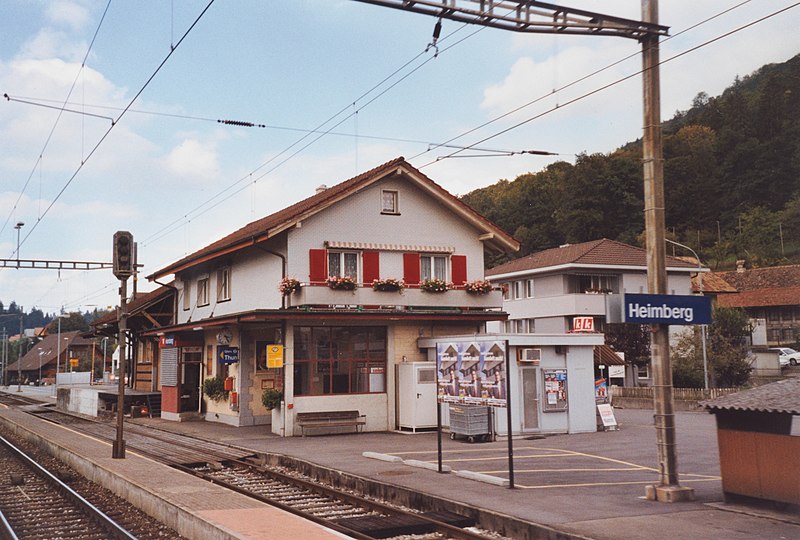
(529, 356)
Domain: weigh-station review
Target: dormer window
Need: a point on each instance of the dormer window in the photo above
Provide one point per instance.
(389, 202)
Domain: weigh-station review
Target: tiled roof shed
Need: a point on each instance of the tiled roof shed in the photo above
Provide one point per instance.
(758, 432)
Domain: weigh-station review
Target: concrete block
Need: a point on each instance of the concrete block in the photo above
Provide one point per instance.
(382, 457)
(427, 465)
(480, 477)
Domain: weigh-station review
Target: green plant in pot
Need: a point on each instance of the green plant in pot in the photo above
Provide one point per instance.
(214, 388)
(271, 398)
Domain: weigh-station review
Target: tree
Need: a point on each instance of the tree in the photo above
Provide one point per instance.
(74, 321)
(687, 361)
(631, 339)
(727, 347)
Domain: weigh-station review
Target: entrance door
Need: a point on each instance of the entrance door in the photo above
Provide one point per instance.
(190, 382)
(530, 399)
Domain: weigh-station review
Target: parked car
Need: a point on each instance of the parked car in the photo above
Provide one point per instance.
(787, 356)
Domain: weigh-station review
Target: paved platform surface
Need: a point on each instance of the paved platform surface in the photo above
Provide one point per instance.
(585, 485)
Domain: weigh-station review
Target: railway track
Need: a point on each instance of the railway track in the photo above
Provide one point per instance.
(36, 504)
(244, 472)
(349, 513)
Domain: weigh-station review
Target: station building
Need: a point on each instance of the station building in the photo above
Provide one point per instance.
(306, 301)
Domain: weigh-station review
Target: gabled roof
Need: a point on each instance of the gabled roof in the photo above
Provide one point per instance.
(270, 226)
(786, 296)
(713, 283)
(137, 305)
(603, 252)
(780, 397)
(49, 353)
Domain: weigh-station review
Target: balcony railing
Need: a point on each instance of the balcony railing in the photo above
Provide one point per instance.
(313, 295)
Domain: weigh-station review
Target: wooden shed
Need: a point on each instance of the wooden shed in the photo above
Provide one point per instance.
(758, 433)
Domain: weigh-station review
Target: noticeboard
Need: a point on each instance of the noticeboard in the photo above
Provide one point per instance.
(555, 390)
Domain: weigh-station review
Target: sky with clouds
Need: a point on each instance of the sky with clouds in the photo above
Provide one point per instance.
(340, 86)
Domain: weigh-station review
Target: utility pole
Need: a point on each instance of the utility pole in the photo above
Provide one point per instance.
(529, 16)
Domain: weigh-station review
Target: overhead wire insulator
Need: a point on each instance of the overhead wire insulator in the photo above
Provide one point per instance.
(240, 123)
(437, 31)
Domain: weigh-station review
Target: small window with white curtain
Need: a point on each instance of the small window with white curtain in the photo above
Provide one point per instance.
(343, 264)
(433, 267)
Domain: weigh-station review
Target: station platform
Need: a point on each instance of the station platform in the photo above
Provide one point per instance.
(579, 486)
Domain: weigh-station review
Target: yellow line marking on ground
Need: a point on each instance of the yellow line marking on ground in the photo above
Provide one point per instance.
(505, 471)
(600, 484)
(501, 458)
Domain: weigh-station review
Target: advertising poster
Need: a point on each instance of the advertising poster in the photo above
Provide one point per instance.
(472, 373)
(555, 388)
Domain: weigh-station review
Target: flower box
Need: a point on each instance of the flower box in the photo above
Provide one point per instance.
(388, 285)
(435, 286)
(288, 286)
(478, 287)
(341, 283)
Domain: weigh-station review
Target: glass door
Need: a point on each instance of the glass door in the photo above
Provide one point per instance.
(530, 399)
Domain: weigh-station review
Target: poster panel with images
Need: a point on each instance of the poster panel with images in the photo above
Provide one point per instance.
(471, 372)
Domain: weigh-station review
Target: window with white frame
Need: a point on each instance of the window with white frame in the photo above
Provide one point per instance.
(187, 292)
(519, 326)
(389, 202)
(531, 326)
(529, 288)
(202, 291)
(518, 290)
(433, 267)
(343, 264)
(224, 284)
(506, 287)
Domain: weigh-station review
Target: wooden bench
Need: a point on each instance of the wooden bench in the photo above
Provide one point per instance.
(325, 419)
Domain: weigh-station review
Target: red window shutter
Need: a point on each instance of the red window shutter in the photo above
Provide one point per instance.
(372, 271)
(411, 268)
(317, 265)
(458, 265)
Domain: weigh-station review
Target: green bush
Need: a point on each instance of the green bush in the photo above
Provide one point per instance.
(271, 398)
(214, 388)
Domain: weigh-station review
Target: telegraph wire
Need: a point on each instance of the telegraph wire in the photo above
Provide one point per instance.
(55, 123)
(585, 77)
(614, 83)
(116, 121)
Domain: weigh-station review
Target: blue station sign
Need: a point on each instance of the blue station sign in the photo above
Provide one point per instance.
(666, 309)
(227, 355)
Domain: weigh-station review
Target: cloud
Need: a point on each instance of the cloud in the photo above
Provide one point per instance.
(194, 159)
(67, 13)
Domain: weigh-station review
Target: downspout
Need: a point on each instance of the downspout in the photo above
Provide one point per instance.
(283, 266)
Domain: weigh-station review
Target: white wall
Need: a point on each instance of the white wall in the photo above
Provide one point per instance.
(422, 221)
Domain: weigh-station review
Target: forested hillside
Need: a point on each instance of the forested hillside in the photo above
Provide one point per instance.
(731, 177)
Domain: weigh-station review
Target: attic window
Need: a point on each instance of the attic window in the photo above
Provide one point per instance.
(389, 202)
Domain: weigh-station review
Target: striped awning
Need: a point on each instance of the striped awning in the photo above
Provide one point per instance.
(605, 355)
(369, 246)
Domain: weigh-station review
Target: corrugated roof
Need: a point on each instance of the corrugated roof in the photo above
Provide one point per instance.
(273, 224)
(597, 252)
(779, 397)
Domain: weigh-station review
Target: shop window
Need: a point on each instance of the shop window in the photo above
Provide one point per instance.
(339, 360)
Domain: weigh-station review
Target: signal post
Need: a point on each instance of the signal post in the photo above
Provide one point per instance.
(123, 269)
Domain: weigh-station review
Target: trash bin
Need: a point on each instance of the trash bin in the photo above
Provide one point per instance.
(472, 421)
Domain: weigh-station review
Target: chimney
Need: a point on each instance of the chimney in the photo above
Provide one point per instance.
(740, 265)
(320, 189)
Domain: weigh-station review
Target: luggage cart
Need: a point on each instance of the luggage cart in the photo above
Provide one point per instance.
(472, 421)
